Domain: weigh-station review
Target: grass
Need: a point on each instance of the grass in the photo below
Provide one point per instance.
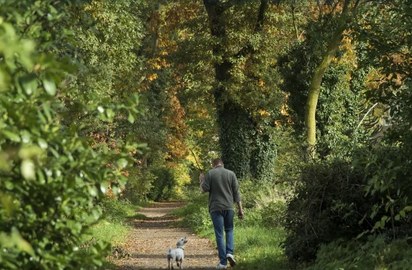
(259, 248)
(113, 227)
(113, 232)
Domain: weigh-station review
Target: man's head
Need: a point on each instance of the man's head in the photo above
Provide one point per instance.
(217, 162)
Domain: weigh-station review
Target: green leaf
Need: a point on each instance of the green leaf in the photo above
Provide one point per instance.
(29, 83)
(122, 163)
(28, 169)
(49, 86)
(93, 191)
(43, 144)
(4, 81)
(110, 114)
(131, 118)
(11, 135)
(4, 162)
(30, 151)
(21, 244)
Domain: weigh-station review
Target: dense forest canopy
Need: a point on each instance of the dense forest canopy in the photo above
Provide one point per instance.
(131, 99)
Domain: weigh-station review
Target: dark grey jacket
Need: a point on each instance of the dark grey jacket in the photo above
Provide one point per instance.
(223, 189)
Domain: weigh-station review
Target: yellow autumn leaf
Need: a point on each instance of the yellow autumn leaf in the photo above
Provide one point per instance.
(152, 77)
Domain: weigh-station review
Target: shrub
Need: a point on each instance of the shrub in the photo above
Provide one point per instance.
(51, 178)
(139, 184)
(376, 253)
(196, 214)
(273, 214)
(328, 205)
(117, 210)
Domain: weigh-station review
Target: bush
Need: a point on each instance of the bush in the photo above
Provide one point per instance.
(51, 177)
(117, 210)
(328, 205)
(388, 174)
(139, 184)
(196, 214)
(273, 214)
(376, 253)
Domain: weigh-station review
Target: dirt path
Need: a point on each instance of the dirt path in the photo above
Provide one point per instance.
(152, 237)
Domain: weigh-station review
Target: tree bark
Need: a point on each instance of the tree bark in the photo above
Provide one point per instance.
(236, 126)
(316, 81)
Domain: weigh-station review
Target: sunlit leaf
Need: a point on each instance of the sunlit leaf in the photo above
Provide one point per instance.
(122, 163)
(29, 83)
(131, 118)
(28, 169)
(49, 86)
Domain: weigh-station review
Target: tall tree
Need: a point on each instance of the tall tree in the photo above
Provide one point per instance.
(345, 13)
(241, 139)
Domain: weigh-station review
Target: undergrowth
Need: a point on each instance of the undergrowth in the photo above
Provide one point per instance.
(113, 228)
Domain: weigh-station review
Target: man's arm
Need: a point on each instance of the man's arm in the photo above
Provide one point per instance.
(240, 213)
(204, 184)
(236, 197)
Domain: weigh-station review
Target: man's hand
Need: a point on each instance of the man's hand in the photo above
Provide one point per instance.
(201, 177)
(201, 180)
(240, 214)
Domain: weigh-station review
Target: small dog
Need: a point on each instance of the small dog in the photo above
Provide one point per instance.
(176, 254)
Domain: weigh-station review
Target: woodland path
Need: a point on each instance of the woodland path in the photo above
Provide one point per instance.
(152, 237)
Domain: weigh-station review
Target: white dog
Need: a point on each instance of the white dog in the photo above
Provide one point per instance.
(176, 254)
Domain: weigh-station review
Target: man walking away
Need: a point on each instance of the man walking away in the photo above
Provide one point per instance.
(223, 188)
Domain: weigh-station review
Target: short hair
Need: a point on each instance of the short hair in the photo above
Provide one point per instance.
(217, 161)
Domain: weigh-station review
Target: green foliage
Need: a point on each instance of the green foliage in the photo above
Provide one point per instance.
(139, 185)
(49, 179)
(338, 112)
(236, 138)
(387, 164)
(108, 35)
(259, 248)
(388, 173)
(273, 214)
(112, 227)
(342, 94)
(328, 205)
(196, 214)
(117, 210)
(263, 157)
(162, 187)
(376, 253)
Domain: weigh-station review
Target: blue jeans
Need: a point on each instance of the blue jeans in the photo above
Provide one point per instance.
(223, 221)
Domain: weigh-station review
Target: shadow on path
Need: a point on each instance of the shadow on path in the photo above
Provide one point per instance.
(152, 237)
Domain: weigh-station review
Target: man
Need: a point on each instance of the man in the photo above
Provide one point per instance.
(223, 189)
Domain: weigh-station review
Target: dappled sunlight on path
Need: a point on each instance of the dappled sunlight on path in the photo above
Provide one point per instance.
(151, 238)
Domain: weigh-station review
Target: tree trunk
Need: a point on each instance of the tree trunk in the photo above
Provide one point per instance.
(234, 122)
(237, 130)
(315, 84)
(313, 97)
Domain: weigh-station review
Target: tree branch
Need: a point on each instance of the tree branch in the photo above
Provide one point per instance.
(261, 15)
(258, 28)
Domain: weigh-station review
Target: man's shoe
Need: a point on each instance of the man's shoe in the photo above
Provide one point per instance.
(231, 259)
(221, 266)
